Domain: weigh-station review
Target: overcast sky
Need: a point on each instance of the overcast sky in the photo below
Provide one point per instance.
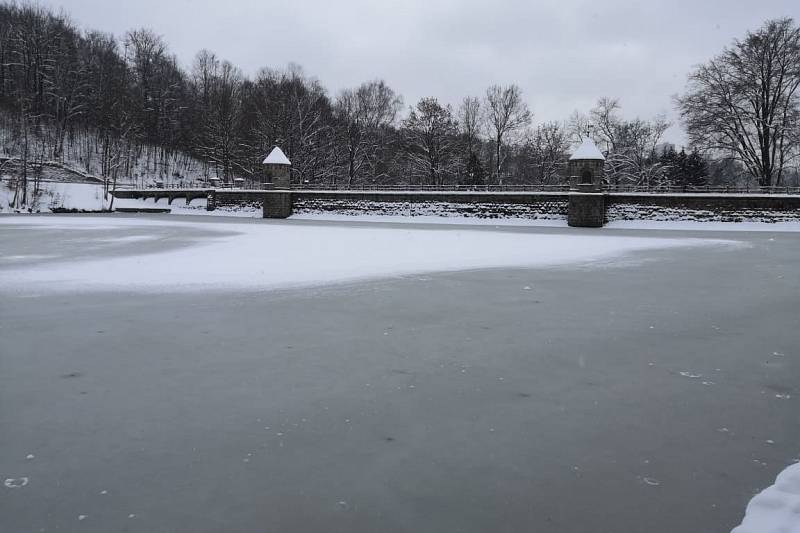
(563, 53)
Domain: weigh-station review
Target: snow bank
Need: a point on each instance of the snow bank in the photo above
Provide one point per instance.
(275, 255)
(776, 509)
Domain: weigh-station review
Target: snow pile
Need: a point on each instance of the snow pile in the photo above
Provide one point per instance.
(776, 509)
(275, 255)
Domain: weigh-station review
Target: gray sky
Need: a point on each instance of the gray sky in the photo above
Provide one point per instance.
(563, 53)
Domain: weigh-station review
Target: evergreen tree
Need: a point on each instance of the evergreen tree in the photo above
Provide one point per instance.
(474, 170)
(696, 169)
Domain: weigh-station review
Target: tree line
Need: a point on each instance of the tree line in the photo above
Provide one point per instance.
(125, 108)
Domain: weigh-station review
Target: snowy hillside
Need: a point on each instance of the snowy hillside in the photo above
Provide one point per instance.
(55, 195)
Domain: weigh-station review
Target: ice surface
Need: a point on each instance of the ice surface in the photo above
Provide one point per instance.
(271, 255)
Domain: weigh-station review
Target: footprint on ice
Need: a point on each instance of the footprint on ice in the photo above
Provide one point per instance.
(15, 483)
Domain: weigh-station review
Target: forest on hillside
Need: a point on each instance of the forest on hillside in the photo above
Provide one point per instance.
(124, 109)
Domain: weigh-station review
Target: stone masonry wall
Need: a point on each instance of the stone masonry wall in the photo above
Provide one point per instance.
(717, 208)
(619, 206)
(549, 208)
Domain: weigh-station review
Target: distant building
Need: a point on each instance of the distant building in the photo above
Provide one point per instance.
(585, 167)
(277, 168)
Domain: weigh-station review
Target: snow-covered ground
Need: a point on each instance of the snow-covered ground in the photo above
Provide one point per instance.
(270, 256)
(776, 509)
(80, 196)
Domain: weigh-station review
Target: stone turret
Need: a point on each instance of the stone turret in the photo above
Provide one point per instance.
(277, 168)
(586, 202)
(586, 168)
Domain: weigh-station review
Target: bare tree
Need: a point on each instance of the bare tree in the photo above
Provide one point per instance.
(579, 126)
(605, 123)
(549, 146)
(469, 118)
(219, 86)
(506, 114)
(431, 141)
(744, 102)
(363, 113)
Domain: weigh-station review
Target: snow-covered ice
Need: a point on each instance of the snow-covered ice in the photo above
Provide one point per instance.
(434, 219)
(692, 225)
(776, 509)
(237, 255)
(555, 222)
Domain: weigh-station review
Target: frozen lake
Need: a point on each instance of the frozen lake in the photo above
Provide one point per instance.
(616, 380)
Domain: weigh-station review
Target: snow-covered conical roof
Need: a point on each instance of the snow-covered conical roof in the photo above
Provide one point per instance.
(588, 150)
(277, 157)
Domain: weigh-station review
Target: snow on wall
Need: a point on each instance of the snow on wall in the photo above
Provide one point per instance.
(552, 210)
(617, 212)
